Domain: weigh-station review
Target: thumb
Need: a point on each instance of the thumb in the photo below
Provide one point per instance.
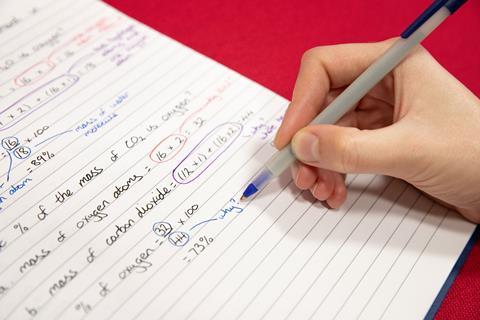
(350, 150)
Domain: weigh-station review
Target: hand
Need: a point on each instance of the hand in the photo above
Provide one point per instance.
(419, 124)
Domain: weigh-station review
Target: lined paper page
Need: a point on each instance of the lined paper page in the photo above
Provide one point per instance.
(123, 157)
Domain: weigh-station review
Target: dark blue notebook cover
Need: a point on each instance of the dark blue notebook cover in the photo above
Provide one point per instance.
(451, 277)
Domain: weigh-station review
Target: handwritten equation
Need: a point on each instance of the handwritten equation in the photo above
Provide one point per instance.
(206, 152)
(111, 127)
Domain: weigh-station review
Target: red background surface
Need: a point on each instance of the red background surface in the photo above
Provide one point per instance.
(265, 39)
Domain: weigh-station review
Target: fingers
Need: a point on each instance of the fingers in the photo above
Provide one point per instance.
(323, 184)
(348, 150)
(339, 194)
(303, 176)
(323, 69)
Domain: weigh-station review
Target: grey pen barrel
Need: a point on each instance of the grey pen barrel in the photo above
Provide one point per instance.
(280, 161)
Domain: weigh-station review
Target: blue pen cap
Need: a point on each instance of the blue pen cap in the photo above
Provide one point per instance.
(453, 5)
(430, 11)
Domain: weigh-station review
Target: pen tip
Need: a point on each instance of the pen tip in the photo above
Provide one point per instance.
(251, 189)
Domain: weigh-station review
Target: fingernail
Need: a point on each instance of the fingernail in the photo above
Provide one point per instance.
(304, 145)
(275, 141)
(319, 191)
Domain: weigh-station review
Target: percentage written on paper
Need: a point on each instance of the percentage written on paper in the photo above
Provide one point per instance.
(83, 307)
(20, 227)
(198, 247)
(205, 240)
(42, 158)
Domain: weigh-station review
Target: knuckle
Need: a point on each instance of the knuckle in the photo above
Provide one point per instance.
(420, 49)
(472, 218)
(311, 55)
(349, 154)
(472, 215)
(307, 56)
(417, 59)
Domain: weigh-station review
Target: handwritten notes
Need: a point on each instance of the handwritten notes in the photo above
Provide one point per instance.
(123, 156)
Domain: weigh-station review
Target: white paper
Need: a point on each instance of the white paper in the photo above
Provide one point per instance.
(124, 154)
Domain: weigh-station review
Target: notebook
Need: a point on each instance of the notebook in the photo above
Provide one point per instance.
(123, 157)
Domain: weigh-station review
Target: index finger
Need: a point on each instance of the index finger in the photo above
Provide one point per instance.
(323, 69)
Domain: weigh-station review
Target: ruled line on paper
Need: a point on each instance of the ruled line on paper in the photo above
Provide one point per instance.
(266, 312)
(59, 102)
(270, 202)
(71, 29)
(110, 224)
(82, 150)
(24, 14)
(107, 84)
(393, 263)
(376, 257)
(231, 297)
(243, 255)
(329, 261)
(83, 88)
(115, 142)
(415, 263)
(11, 82)
(284, 261)
(124, 113)
(361, 248)
(57, 65)
(176, 252)
(43, 145)
(46, 20)
(218, 258)
(167, 216)
(121, 257)
(317, 248)
(270, 251)
(88, 146)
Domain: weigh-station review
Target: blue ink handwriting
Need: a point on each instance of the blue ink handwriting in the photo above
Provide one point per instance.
(232, 207)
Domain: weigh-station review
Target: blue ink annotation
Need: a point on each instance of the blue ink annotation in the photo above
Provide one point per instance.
(231, 208)
(93, 124)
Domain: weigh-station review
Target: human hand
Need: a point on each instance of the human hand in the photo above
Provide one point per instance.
(419, 124)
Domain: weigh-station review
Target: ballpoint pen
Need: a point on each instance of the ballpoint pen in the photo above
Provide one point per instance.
(431, 18)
